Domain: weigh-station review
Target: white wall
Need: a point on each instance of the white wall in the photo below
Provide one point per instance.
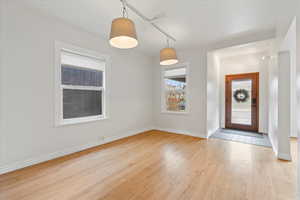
(280, 105)
(241, 64)
(213, 93)
(281, 78)
(289, 44)
(284, 105)
(2, 21)
(193, 123)
(273, 101)
(298, 90)
(298, 69)
(28, 134)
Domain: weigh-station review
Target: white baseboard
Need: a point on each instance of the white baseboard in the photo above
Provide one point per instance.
(281, 156)
(210, 133)
(32, 161)
(181, 132)
(284, 156)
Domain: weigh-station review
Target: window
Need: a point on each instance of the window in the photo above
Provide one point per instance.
(81, 91)
(174, 90)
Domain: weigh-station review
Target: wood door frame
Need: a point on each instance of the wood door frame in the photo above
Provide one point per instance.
(254, 107)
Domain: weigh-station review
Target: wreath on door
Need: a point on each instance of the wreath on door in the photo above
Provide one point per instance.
(241, 95)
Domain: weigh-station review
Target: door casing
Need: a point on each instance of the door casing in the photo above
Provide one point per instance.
(254, 101)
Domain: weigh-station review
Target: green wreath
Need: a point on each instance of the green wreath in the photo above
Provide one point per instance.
(241, 95)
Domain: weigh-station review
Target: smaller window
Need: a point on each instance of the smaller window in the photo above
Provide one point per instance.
(174, 90)
(81, 86)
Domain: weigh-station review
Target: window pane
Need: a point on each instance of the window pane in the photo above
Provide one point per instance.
(72, 75)
(81, 103)
(175, 89)
(241, 102)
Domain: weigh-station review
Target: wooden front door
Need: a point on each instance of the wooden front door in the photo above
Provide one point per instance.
(242, 101)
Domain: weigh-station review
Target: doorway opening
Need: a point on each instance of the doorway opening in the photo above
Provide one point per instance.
(237, 93)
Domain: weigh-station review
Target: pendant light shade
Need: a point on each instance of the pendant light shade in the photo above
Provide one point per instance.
(168, 56)
(123, 34)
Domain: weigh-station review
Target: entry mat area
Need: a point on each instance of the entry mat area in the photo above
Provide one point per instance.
(243, 137)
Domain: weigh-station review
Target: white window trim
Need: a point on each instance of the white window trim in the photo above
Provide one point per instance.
(162, 87)
(59, 121)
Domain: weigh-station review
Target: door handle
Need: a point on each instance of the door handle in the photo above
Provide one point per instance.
(254, 101)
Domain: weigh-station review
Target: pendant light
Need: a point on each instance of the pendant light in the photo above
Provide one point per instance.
(168, 55)
(123, 34)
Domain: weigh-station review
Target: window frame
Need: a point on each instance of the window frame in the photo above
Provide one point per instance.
(162, 89)
(59, 120)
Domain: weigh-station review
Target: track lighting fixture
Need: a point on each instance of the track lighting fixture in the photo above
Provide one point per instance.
(123, 34)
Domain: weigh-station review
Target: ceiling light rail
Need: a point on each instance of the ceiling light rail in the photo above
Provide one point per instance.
(146, 19)
(123, 34)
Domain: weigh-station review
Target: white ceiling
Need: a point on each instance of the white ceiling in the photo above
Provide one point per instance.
(261, 47)
(247, 55)
(191, 22)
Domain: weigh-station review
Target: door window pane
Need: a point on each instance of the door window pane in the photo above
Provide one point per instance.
(175, 89)
(241, 102)
(81, 103)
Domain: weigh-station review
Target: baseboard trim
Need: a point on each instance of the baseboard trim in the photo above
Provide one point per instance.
(33, 161)
(284, 156)
(210, 133)
(181, 132)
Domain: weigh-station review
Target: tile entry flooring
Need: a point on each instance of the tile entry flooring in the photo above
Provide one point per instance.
(243, 137)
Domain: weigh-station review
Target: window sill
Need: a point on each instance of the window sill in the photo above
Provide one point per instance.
(175, 113)
(82, 120)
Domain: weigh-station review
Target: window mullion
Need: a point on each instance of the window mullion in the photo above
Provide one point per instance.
(77, 87)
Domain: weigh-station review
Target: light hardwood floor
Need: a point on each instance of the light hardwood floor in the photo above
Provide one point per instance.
(160, 166)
